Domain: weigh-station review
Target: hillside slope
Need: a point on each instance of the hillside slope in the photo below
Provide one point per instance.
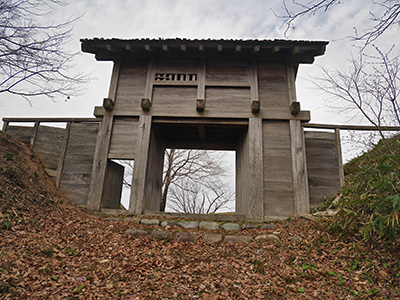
(50, 249)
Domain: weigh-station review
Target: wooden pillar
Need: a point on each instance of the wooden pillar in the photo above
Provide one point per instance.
(255, 101)
(35, 132)
(201, 86)
(256, 177)
(137, 196)
(102, 146)
(62, 157)
(339, 154)
(299, 167)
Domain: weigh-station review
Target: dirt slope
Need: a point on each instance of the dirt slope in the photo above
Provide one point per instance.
(50, 249)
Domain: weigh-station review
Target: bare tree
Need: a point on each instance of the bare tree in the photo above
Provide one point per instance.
(195, 198)
(33, 61)
(384, 15)
(194, 180)
(370, 88)
(197, 166)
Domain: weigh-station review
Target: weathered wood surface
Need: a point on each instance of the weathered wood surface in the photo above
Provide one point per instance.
(124, 138)
(255, 161)
(228, 100)
(170, 99)
(48, 145)
(273, 87)
(21, 133)
(322, 166)
(78, 161)
(227, 71)
(114, 178)
(242, 174)
(299, 164)
(278, 173)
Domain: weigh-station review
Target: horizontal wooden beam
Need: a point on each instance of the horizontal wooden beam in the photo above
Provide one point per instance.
(351, 127)
(52, 120)
(270, 114)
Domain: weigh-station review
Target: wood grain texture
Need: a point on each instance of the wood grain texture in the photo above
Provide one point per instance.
(227, 71)
(322, 166)
(299, 166)
(277, 169)
(124, 138)
(171, 99)
(78, 161)
(225, 100)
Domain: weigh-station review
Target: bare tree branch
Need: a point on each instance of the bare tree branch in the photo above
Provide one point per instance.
(33, 61)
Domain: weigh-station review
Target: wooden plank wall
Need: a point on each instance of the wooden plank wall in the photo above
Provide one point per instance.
(278, 174)
(48, 145)
(322, 166)
(124, 138)
(21, 133)
(78, 161)
(273, 86)
(131, 87)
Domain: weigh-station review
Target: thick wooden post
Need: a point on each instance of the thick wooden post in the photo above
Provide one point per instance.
(102, 146)
(137, 196)
(35, 132)
(256, 177)
(63, 152)
(339, 154)
(299, 167)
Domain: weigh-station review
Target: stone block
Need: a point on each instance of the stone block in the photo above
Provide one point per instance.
(150, 222)
(160, 235)
(231, 226)
(250, 226)
(209, 225)
(210, 238)
(267, 238)
(241, 239)
(189, 224)
(185, 237)
(132, 220)
(169, 223)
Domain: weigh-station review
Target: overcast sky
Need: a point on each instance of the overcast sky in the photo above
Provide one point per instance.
(214, 19)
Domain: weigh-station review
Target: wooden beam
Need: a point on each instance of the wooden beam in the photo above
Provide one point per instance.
(102, 146)
(200, 105)
(219, 48)
(256, 49)
(35, 132)
(255, 106)
(137, 199)
(129, 48)
(147, 47)
(53, 120)
(238, 48)
(183, 48)
(148, 93)
(108, 104)
(351, 127)
(62, 156)
(299, 168)
(275, 49)
(339, 155)
(256, 166)
(145, 104)
(295, 108)
(201, 48)
(296, 50)
(201, 85)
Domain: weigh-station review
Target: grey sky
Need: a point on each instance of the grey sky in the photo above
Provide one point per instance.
(252, 19)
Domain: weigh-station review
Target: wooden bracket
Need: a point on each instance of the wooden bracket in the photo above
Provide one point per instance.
(295, 108)
(146, 104)
(108, 104)
(200, 105)
(255, 106)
